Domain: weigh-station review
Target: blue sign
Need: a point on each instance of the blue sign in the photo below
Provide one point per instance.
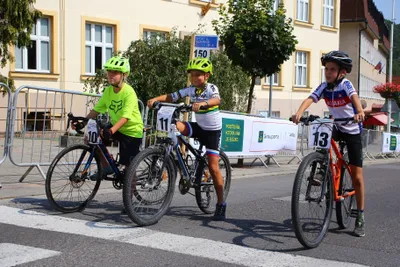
(206, 41)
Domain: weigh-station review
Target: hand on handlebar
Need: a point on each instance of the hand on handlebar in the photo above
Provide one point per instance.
(359, 117)
(296, 118)
(197, 106)
(106, 134)
(150, 103)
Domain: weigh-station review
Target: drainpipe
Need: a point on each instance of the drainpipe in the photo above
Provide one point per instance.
(359, 55)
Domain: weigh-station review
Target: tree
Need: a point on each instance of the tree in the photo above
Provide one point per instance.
(158, 66)
(17, 18)
(255, 38)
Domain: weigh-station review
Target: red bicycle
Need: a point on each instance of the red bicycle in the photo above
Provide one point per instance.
(322, 179)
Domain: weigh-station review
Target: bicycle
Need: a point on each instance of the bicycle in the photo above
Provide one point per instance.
(167, 153)
(80, 163)
(329, 181)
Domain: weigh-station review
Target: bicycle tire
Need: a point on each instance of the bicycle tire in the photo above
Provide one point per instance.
(343, 208)
(299, 228)
(78, 183)
(208, 208)
(130, 180)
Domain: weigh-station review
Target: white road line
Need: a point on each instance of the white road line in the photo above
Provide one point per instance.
(13, 254)
(198, 247)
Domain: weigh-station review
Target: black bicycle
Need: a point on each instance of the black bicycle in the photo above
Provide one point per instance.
(75, 174)
(166, 154)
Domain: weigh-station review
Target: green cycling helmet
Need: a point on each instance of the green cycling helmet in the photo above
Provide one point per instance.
(118, 64)
(201, 64)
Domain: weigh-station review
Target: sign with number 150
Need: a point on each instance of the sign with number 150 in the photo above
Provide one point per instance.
(205, 53)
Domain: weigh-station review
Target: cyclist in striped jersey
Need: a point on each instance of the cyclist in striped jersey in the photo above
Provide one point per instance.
(205, 99)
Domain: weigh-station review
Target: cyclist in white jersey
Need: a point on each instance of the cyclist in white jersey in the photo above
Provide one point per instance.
(343, 102)
(208, 125)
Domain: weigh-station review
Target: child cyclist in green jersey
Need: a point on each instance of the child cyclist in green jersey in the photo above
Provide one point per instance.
(120, 101)
(207, 127)
(343, 102)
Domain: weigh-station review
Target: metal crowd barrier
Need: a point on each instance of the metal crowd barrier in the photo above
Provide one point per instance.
(7, 119)
(39, 124)
(36, 128)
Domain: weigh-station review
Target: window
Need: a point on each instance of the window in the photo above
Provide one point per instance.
(301, 66)
(258, 81)
(275, 114)
(204, 2)
(275, 79)
(329, 14)
(36, 58)
(303, 7)
(148, 34)
(99, 46)
(275, 5)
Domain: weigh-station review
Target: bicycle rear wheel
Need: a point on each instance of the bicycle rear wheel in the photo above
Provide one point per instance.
(311, 208)
(343, 208)
(148, 190)
(206, 197)
(68, 187)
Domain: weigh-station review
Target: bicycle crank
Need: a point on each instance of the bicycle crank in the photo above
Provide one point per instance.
(184, 186)
(117, 184)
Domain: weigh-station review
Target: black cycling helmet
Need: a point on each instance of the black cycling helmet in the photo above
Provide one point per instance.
(339, 57)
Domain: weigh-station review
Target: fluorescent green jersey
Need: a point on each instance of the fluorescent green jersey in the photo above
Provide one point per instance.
(123, 104)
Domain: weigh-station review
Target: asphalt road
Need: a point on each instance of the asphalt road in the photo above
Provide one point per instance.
(258, 231)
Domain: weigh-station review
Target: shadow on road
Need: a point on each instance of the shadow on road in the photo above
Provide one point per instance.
(274, 235)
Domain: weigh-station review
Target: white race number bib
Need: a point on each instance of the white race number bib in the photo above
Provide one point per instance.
(164, 118)
(92, 132)
(320, 134)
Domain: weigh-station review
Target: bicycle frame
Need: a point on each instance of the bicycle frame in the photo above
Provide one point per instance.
(106, 154)
(199, 159)
(336, 170)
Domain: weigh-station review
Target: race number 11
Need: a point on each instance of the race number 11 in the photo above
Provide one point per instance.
(205, 53)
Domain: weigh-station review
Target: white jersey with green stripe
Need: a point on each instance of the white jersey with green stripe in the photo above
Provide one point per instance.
(209, 119)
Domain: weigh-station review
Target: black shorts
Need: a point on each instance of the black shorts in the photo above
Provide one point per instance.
(129, 147)
(210, 139)
(353, 144)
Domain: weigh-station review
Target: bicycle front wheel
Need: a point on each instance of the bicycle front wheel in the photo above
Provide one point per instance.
(312, 199)
(68, 184)
(343, 208)
(148, 190)
(206, 197)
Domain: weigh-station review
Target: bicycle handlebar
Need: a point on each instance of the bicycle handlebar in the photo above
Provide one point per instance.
(80, 122)
(181, 107)
(311, 118)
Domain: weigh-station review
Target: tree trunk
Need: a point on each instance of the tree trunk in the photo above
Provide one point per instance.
(251, 92)
(249, 107)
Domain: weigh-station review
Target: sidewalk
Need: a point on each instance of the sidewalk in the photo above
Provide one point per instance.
(33, 185)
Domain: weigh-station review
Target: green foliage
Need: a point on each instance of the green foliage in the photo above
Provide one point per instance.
(7, 81)
(232, 82)
(17, 18)
(255, 38)
(396, 48)
(158, 66)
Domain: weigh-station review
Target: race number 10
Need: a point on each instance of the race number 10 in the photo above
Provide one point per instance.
(205, 53)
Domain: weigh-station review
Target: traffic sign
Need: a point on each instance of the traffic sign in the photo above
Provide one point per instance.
(203, 44)
(206, 41)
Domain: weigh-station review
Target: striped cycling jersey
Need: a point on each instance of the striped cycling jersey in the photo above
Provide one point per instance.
(339, 103)
(209, 119)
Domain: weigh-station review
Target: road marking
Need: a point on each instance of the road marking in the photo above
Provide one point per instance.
(199, 247)
(13, 254)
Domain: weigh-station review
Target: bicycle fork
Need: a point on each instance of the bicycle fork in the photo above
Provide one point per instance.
(323, 182)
